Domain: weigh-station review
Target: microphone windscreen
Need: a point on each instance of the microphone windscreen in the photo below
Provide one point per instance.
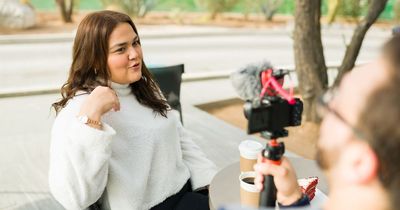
(247, 82)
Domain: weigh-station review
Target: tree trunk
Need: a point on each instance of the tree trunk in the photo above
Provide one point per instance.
(213, 15)
(352, 50)
(66, 9)
(309, 55)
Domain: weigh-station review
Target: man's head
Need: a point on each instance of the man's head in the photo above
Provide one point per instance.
(360, 141)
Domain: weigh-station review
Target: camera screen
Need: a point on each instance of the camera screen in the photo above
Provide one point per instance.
(274, 116)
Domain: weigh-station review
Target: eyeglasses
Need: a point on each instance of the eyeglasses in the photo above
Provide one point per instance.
(323, 109)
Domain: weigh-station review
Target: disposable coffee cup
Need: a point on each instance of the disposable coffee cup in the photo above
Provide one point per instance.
(249, 194)
(249, 151)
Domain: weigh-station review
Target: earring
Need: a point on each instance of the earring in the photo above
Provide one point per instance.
(95, 71)
(144, 78)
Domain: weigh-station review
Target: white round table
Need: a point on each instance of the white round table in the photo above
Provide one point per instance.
(225, 188)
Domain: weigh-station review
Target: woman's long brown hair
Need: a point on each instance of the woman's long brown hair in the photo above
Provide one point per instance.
(89, 67)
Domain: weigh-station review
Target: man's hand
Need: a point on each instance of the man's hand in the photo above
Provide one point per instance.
(284, 177)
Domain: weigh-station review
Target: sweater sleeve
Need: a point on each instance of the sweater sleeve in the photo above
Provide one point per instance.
(79, 157)
(202, 170)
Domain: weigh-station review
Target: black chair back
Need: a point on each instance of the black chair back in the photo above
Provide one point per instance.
(169, 79)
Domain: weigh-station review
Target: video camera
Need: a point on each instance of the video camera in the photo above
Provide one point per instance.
(268, 114)
(271, 113)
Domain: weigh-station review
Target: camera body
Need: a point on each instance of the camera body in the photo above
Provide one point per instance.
(272, 114)
(269, 114)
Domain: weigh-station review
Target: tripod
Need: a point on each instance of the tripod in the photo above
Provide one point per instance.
(272, 153)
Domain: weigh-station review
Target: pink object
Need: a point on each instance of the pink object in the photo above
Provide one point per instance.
(308, 186)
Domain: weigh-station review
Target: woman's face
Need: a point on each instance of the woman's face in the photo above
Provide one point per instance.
(125, 55)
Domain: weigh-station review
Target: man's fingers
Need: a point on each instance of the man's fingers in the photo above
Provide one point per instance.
(270, 169)
(258, 181)
(259, 177)
(259, 186)
(259, 158)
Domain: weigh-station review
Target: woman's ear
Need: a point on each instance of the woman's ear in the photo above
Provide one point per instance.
(360, 163)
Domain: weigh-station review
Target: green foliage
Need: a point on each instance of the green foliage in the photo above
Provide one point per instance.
(396, 10)
(44, 4)
(353, 8)
(247, 6)
(242, 6)
(287, 7)
(217, 6)
(135, 8)
(185, 5)
(269, 7)
(90, 5)
(356, 9)
(392, 10)
(81, 5)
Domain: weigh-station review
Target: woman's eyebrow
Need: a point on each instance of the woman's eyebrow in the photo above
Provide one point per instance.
(124, 43)
(119, 45)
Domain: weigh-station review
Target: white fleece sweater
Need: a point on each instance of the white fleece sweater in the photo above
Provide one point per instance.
(138, 160)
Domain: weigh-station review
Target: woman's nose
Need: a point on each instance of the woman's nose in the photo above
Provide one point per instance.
(133, 54)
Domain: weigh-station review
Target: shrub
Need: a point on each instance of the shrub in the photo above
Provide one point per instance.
(269, 8)
(215, 7)
(135, 8)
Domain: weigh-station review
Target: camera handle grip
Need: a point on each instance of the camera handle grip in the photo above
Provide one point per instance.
(268, 195)
(273, 154)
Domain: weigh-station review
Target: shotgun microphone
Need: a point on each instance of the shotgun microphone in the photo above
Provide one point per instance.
(246, 81)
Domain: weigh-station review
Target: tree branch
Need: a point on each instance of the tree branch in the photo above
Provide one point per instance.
(375, 9)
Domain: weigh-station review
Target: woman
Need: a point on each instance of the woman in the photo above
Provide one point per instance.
(115, 140)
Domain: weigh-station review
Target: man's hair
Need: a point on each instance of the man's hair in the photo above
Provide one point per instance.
(380, 121)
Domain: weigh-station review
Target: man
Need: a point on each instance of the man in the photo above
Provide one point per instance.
(359, 144)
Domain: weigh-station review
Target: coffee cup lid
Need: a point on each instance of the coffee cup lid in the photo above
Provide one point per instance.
(250, 149)
(246, 186)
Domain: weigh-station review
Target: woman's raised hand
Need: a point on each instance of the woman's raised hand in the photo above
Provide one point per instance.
(101, 100)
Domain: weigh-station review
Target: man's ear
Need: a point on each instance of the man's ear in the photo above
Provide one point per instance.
(359, 163)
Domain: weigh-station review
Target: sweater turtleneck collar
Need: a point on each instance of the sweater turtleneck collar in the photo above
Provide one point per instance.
(121, 89)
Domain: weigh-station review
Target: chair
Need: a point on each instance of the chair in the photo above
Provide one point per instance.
(169, 79)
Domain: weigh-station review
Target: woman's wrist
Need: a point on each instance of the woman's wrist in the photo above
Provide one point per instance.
(90, 122)
(90, 118)
(91, 114)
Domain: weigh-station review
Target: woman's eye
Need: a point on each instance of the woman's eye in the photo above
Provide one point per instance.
(122, 49)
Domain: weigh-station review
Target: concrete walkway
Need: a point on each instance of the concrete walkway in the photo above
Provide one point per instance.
(169, 31)
(36, 77)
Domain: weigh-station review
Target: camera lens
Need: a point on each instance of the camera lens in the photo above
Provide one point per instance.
(247, 109)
